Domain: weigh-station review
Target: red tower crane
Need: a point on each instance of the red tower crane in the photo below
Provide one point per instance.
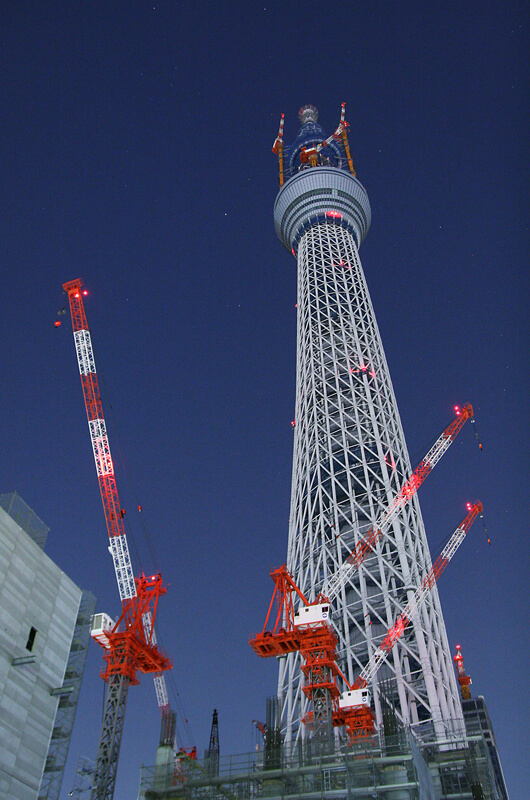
(463, 679)
(309, 155)
(354, 705)
(130, 643)
(307, 630)
(316, 640)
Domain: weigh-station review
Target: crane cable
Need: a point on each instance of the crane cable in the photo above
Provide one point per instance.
(132, 492)
(131, 489)
(177, 698)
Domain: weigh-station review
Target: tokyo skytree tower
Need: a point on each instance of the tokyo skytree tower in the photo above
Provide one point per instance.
(350, 456)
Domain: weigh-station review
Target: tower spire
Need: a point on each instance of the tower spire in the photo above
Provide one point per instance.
(308, 113)
(213, 747)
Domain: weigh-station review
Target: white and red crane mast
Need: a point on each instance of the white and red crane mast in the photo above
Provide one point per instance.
(113, 512)
(130, 643)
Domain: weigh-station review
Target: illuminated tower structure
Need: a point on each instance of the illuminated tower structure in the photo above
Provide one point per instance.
(350, 456)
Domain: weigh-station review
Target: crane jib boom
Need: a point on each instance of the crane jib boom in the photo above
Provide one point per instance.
(413, 606)
(118, 545)
(407, 491)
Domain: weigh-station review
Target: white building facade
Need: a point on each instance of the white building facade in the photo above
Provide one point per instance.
(38, 611)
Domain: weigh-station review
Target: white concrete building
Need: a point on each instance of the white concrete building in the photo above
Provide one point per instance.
(38, 611)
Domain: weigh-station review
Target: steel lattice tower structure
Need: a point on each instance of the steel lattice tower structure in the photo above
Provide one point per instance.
(350, 456)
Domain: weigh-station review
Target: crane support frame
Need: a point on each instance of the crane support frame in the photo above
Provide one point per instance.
(132, 649)
(284, 637)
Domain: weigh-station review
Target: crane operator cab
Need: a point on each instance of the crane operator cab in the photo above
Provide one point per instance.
(101, 625)
(312, 615)
(354, 698)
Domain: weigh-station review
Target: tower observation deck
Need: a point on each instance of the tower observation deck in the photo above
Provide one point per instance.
(350, 456)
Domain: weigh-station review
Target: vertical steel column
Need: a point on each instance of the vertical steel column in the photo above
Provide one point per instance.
(110, 739)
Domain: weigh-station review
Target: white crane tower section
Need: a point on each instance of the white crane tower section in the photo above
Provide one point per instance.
(118, 546)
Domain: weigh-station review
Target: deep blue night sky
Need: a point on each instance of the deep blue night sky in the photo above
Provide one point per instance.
(137, 155)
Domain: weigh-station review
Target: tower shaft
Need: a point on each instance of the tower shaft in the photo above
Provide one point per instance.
(350, 459)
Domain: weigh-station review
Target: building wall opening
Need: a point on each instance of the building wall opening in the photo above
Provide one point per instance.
(31, 639)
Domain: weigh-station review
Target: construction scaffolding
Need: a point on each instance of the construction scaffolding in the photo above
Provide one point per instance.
(391, 767)
(69, 695)
(24, 516)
